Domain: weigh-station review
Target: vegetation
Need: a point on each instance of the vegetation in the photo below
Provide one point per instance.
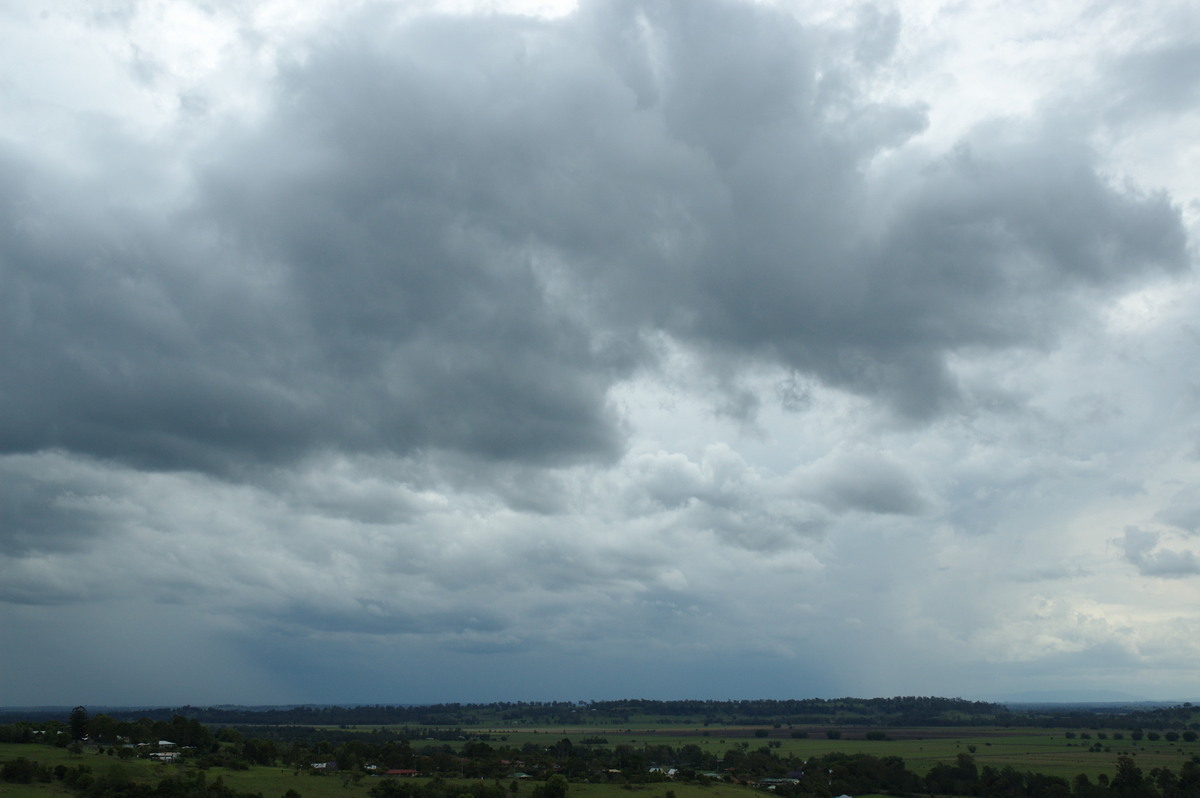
(666, 749)
(900, 711)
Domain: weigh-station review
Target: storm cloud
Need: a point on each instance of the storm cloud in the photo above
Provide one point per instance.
(454, 336)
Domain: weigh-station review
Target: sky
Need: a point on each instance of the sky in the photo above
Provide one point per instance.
(410, 352)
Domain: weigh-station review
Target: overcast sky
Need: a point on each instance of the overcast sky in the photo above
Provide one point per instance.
(416, 351)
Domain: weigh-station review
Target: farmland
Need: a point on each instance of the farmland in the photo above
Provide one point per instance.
(1047, 751)
(720, 751)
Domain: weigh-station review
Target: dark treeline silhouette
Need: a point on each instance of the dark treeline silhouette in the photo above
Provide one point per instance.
(904, 710)
(883, 712)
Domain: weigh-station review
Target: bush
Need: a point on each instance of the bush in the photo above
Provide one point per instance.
(555, 787)
(18, 771)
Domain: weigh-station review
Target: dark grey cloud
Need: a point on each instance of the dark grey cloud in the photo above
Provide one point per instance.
(1142, 550)
(454, 234)
(1182, 511)
(868, 483)
(45, 513)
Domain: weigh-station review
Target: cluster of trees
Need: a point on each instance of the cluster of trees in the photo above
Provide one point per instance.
(1182, 716)
(554, 787)
(106, 730)
(1129, 781)
(116, 782)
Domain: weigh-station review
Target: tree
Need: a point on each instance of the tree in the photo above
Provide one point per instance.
(555, 787)
(102, 728)
(78, 722)
(1129, 780)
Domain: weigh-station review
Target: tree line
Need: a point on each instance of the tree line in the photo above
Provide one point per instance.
(879, 712)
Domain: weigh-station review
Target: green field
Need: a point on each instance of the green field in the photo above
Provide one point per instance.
(1046, 751)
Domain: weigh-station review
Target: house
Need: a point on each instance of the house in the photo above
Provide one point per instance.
(771, 784)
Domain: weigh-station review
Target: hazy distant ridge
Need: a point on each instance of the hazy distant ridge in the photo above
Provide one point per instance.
(896, 711)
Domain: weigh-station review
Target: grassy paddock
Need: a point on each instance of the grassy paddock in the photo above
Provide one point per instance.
(274, 782)
(1046, 751)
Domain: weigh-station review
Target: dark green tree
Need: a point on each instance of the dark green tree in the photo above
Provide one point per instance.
(555, 787)
(1129, 780)
(78, 722)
